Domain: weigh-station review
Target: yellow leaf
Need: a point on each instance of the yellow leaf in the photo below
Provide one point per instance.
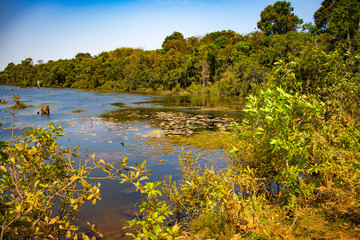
(109, 141)
(52, 221)
(36, 183)
(68, 234)
(84, 236)
(19, 147)
(101, 161)
(73, 228)
(89, 197)
(143, 178)
(32, 136)
(84, 183)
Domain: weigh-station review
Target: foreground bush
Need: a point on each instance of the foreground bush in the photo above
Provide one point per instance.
(294, 167)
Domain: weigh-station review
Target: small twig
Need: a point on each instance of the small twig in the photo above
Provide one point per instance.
(297, 215)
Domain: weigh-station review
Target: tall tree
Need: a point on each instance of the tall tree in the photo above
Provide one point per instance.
(278, 18)
(322, 15)
(340, 18)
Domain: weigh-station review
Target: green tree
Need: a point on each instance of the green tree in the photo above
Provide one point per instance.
(278, 18)
(340, 18)
(176, 40)
(7, 76)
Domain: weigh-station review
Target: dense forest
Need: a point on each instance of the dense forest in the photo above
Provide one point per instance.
(294, 168)
(222, 63)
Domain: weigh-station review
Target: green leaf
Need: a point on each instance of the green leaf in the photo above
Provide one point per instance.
(157, 229)
(18, 208)
(234, 150)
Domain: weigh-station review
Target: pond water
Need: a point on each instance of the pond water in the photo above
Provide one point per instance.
(112, 125)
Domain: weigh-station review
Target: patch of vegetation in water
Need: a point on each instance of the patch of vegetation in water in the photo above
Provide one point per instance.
(205, 140)
(77, 111)
(159, 146)
(118, 104)
(176, 121)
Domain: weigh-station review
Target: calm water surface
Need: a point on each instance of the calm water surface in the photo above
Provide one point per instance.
(101, 122)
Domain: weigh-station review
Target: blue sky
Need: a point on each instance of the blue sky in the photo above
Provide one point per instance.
(59, 29)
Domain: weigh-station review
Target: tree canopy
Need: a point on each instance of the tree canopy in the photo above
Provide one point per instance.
(341, 18)
(278, 18)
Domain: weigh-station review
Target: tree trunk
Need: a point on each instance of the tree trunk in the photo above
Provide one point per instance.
(205, 72)
(349, 39)
(328, 179)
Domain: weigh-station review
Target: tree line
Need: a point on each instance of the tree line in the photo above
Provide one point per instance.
(294, 167)
(221, 63)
